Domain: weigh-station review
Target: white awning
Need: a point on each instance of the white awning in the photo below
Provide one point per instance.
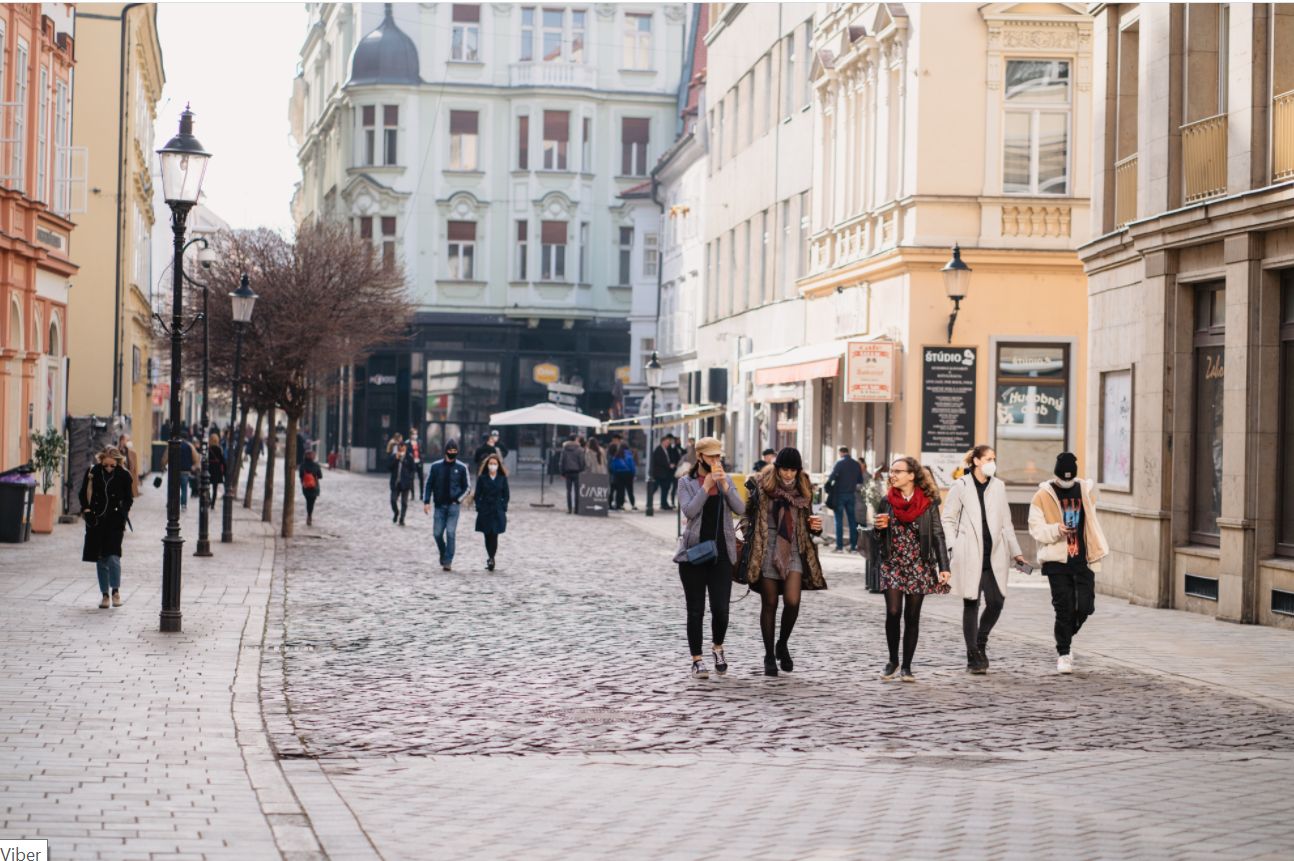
(544, 414)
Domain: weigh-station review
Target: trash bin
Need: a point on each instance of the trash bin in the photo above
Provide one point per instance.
(17, 491)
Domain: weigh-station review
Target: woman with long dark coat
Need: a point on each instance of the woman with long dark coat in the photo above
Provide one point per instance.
(492, 505)
(106, 496)
(215, 467)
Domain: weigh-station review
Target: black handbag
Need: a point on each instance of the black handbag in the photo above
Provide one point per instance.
(705, 552)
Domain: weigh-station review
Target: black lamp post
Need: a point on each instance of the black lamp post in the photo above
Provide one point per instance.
(653, 370)
(244, 299)
(184, 163)
(205, 258)
(957, 284)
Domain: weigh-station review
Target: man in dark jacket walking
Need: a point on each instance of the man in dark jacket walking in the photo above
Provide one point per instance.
(447, 484)
(570, 464)
(842, 494)
(662, 471)
(403, 471)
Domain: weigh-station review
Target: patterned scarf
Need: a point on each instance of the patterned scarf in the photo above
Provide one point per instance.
(785, 502)
(908, 510)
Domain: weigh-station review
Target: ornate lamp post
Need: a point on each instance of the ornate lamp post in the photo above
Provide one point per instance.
(654, 371)
(244, 299)
(206, 256)
(956, 284)
(184, 164)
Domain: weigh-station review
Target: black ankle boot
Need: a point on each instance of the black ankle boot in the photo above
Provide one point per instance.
(784, 656)
(770, 665)
(983, 657)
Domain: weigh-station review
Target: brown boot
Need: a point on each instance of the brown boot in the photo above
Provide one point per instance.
(103, 602)
(116, 598)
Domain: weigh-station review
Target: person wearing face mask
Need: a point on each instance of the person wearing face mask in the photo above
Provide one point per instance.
(981, 540)
(780, 557)
(492, 505)
(415, 451)
(1062, 519)
(447, 484)
(106, 498)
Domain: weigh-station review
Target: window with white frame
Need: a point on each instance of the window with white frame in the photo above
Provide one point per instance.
(62, 154)
(527, 35)
(552, 264)
(788, 75)
(578, 25)
(651, 254)
(554, 25)
(390, 133)
(637, 41)
(463, 140)
(562, 34)
(556, 139)
(365, 225)
(634, 135)
(584, 252)
(388, 241)
(42, 135)
(519, 256)
(1035, 129)
(462, 250)
(523, 142)
(806, 39)
(465, 36)
(626, 249)
(19, 161)
(586, 145)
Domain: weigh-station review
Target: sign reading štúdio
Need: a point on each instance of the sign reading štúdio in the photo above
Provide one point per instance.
(871, 371)
(947, 407)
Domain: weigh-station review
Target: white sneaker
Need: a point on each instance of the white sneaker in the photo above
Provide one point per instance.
(700, 670)
(1065, 664)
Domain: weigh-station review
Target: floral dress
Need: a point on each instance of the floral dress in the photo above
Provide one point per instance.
(904, 569)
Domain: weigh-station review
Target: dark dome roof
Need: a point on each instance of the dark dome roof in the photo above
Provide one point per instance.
(385, 56)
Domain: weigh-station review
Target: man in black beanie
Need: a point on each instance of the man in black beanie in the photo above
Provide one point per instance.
(1063, 521)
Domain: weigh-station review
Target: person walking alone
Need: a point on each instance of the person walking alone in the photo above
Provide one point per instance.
(982, 543)
(662, 471)
(403, 474)
(311, 476)
(571, 464)
(447, 484)
(106, 496)
(909, 539)
(1071, 545)
(781, 557)
(841, 491)
(492, 497)
(215, 466)
(707, 547)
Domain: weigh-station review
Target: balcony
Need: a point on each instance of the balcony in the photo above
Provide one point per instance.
(1125, 190)
(1204, 158)
(558, 74)
(1283, 137)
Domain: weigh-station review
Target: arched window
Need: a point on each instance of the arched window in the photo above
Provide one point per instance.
(52, 345)
(15, 326)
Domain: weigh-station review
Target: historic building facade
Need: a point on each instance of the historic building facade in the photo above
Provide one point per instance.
(1191, 281)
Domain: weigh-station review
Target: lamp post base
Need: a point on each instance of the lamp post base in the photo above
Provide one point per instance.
(171, 622)
(203, 548)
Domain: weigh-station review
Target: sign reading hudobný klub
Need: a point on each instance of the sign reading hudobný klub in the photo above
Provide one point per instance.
(947, 407)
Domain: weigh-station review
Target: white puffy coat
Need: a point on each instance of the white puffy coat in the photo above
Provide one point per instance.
(963, 525)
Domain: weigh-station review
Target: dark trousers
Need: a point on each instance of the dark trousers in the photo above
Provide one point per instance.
(976, 630)
(622, 485)
(400, 502)
(421, 478)
(310, 496)
(1073, 596)
(697, 580)
(664, 484)
(572, 491)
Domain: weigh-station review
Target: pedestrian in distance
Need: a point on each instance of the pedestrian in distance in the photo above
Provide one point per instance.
(706, 550)
(909, 542)
(571, 463)
(189, 458)
(675, 459)
(765, 460)
(1071, 545)
(403, 473)
(106, 497)
(490, 446)
(415, 451)
(395, 440)
(447, 484)
(662, 471)
(491, 499)
(127, 448)
(595, 457)
(780, 558)
(841, 492)
(624, 469)
(311, 476)
(215, 466)
(982, 544)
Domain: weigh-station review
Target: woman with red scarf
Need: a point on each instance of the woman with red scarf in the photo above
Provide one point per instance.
(909, 542)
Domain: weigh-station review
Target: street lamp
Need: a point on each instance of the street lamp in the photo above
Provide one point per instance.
(956, 284)
(184, 164)
(206, 256)
(244, 299)
(654, 371)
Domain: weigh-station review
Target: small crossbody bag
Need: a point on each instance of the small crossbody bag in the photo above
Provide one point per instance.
(705, 552)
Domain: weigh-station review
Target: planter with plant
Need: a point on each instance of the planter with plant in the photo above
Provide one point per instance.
(48, 451)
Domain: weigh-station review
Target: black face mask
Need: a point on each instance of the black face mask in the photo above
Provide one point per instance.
(450, 455)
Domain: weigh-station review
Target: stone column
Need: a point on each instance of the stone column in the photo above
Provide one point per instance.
(1247, 96)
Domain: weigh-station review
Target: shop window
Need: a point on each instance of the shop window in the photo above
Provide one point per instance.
(1032, 410)
(1285, 530)
(1206, 449)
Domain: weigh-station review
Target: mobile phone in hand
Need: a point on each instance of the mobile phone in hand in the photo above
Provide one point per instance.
(1024, 567)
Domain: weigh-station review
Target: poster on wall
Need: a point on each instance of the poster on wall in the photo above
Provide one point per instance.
(1116, 430)
(947, 408)
(870, 372)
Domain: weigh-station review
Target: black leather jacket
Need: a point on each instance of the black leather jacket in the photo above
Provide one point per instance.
(930, 529)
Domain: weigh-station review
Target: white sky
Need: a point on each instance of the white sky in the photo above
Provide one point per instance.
(235, 63)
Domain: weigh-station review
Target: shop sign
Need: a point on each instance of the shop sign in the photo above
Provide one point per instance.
(622, 374)
(871, 368)
(947, 406)
(594, 495)
(382, 379)
(545, 373)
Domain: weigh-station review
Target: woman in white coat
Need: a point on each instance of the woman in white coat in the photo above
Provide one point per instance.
(982, 542)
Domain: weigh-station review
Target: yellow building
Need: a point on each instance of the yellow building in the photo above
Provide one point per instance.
(119, 82)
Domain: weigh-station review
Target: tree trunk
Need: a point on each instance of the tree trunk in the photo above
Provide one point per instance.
(235, 459)
(289, 476)
(271, 443)
(256, 456)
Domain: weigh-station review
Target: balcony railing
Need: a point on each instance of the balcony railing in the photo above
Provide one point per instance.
(1125, 190)
(556, 74)
(1283, 136)
(1204, 158)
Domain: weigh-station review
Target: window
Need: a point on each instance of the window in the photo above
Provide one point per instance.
(633, 146)
(553, 20)
(520, 263)
(465, 38)
(578, 26)
(368, 134)
(368, 144)
(562, 34)
(136, 364)
(637, 36)
(806, 39)
(556, 136)
(748, 109)
(586, 145)
(1205, 87)
(462, 250)
(527, 35)
(19, 162)
(1206, 455)
(584, 252)
(62, 140)
(788, 75)
(523, 143)
(42, 136)
(626, 253)
(390, 122)
(717, 150)
(651, 254)
(365, 226)
(1285, 523)
(1035, 142)
(802, 265)
(388, 241)
(462, 140)
(552, 235)
(1032, 413)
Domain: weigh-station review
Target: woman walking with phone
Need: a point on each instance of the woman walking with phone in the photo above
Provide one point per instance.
(706, 548)
(909, 539)
(779, 528)
(981, 536)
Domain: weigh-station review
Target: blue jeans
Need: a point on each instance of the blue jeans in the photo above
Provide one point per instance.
(844, 509)
(185, 478)
(444, 525)
(109, 570)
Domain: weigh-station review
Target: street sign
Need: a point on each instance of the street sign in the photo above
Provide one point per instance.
(563, 400)
(566, 388)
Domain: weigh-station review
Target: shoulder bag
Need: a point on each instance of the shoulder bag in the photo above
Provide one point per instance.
(705, 552)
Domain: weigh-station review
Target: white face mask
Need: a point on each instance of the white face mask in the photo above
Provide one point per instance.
(989, 469)
(1065, 483)
(494, 468)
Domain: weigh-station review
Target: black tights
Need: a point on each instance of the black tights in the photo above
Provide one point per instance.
(909, 607)
(491, 544)
(769, 590)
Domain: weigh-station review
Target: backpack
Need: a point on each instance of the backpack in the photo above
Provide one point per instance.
(308, 481)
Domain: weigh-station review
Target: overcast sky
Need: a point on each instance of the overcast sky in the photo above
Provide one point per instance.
(235, 63)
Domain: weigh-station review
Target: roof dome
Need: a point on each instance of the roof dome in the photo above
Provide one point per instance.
(385, 56)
